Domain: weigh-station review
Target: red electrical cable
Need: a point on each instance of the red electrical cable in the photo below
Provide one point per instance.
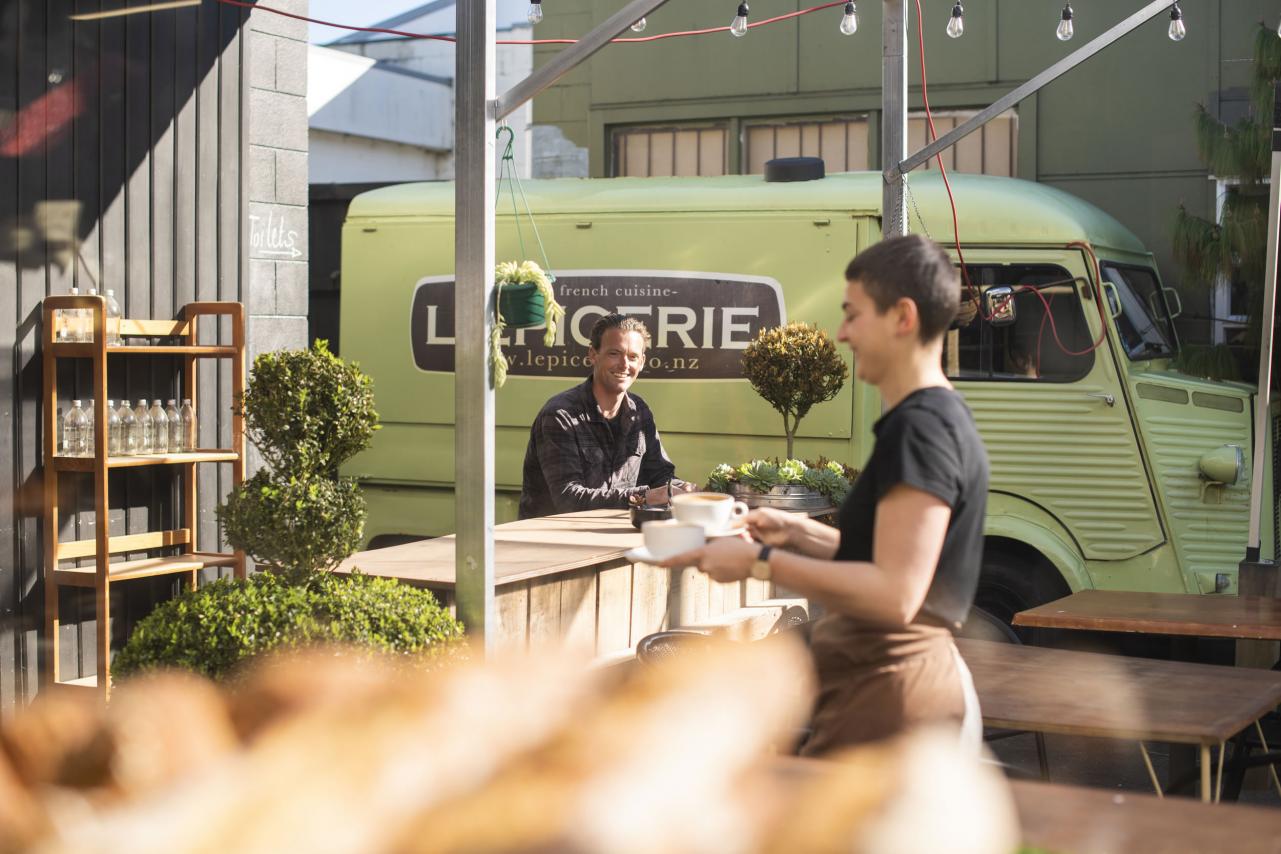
(246, 4)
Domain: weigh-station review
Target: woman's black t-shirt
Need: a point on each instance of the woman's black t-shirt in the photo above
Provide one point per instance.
(928, 441)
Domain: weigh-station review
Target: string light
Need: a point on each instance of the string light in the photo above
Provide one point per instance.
(1177, 28)
(956, 24)
(1279, 29)
(639, 26)
(535, 13)
(738, 27)
(849, 20)
(1065, 30)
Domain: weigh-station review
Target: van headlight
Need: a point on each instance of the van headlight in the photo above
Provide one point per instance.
(1222, 465)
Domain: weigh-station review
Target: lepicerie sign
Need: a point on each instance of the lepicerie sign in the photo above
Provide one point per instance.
(699, 322)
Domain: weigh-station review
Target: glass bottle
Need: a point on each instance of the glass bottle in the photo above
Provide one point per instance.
(89, 317)
(130, 430)
(73, 432)
(159, 429)
(71, 323)
(175, 427)
(113, 320)
(189, 425)
(90, 447)
(115, 431)
(144, 428)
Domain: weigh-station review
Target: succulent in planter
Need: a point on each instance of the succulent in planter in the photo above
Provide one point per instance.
(525, 300)
(828, 478)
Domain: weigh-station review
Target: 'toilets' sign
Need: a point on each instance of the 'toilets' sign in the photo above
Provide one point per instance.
(699, 323)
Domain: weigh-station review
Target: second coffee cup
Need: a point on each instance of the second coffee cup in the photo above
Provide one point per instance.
(715, 511)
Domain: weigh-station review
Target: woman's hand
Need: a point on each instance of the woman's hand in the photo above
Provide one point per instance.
(727, 559)
(770, 526)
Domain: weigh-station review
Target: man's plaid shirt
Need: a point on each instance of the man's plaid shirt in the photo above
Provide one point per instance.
(576, 461)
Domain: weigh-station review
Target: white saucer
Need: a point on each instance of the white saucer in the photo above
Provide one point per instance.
(732, 531)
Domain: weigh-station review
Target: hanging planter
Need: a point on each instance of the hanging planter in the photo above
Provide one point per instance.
(525, 301)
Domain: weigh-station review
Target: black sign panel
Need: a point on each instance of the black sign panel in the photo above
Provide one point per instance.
(699, 323)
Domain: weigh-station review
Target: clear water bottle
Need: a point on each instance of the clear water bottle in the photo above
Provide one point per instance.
(71, 325)
(115, 431)
(90, 447)
(130, 431)
(113, 321)
(159, 429)
(144, 428)
(175, 427)
(189, 432)
(73, 432)
(89, 317)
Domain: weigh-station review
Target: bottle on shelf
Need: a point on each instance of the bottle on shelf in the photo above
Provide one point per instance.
(87, 322)
(113, 320)
(73, 432)
(145, 443)
(130, 431)
(159, 429)
(115, 431)
(175, 427)
(69, 324)
(90, 447)
(189, 431)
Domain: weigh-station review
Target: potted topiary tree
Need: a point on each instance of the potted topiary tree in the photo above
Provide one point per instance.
(306, 411)
(793, 367)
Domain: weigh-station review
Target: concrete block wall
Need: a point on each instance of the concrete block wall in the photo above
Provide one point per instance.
(276, 296)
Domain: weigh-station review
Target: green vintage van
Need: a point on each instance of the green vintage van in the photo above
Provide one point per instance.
(1095, 443)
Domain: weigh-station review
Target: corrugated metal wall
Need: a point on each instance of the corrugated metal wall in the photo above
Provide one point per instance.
(122, 152)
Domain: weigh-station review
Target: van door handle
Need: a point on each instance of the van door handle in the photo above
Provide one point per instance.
(1103, 396)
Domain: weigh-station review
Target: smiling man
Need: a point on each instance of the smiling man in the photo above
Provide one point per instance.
(595, 446)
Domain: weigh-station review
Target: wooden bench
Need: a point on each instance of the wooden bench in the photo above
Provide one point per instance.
(1089, 694)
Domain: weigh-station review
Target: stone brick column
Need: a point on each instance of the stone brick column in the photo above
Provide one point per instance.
(276, 296)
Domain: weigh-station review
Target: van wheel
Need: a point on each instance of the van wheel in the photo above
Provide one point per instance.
(1010, 583)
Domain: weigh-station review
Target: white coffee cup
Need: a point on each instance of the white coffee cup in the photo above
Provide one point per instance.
(712, 510)
(667, 537)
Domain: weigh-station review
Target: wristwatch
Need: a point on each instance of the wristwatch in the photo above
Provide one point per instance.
(760, 566)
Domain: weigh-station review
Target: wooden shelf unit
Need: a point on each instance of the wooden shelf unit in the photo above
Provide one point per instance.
(104, 571)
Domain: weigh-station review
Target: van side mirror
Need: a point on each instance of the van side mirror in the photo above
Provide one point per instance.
(1174, 302)
(998, 306)
(1114, 299)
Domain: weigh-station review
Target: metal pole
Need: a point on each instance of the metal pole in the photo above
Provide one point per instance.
(893, 115)
(474, 303)
(565, 61)
(1263, 403)
(1050, 74)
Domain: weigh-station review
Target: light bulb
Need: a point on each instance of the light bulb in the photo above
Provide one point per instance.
(639, 26)
(956, 24)
(1279, 30)
(1177, 29)
(738, 28)
(1065, 30)
(535, 13)
(849, 20)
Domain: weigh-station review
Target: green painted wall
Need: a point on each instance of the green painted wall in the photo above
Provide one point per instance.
(1117, 131)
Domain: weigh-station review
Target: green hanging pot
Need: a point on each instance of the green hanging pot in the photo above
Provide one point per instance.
(522, 306)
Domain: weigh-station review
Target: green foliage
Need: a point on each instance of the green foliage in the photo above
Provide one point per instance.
(513, 273)
(299, 525)
(1233, 247)
(827, 477)
(308, 410)
(1215, 362)
(214, 629)
(794, 367)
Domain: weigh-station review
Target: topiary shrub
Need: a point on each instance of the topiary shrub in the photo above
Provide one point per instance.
(217, 627)
(307, 411)
(794, 367)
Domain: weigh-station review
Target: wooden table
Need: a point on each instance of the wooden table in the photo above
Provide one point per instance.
(1072, 819)
(1187, 614)
(566, 579)
(1090, 694)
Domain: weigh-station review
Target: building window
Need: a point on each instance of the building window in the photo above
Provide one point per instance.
(1231, 298)
(841, 143)
(990, 150)
(658, 152)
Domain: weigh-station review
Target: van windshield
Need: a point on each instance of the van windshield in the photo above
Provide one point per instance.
(1142, 317)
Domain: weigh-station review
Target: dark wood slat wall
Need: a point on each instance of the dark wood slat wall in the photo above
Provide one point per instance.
(153, 152)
